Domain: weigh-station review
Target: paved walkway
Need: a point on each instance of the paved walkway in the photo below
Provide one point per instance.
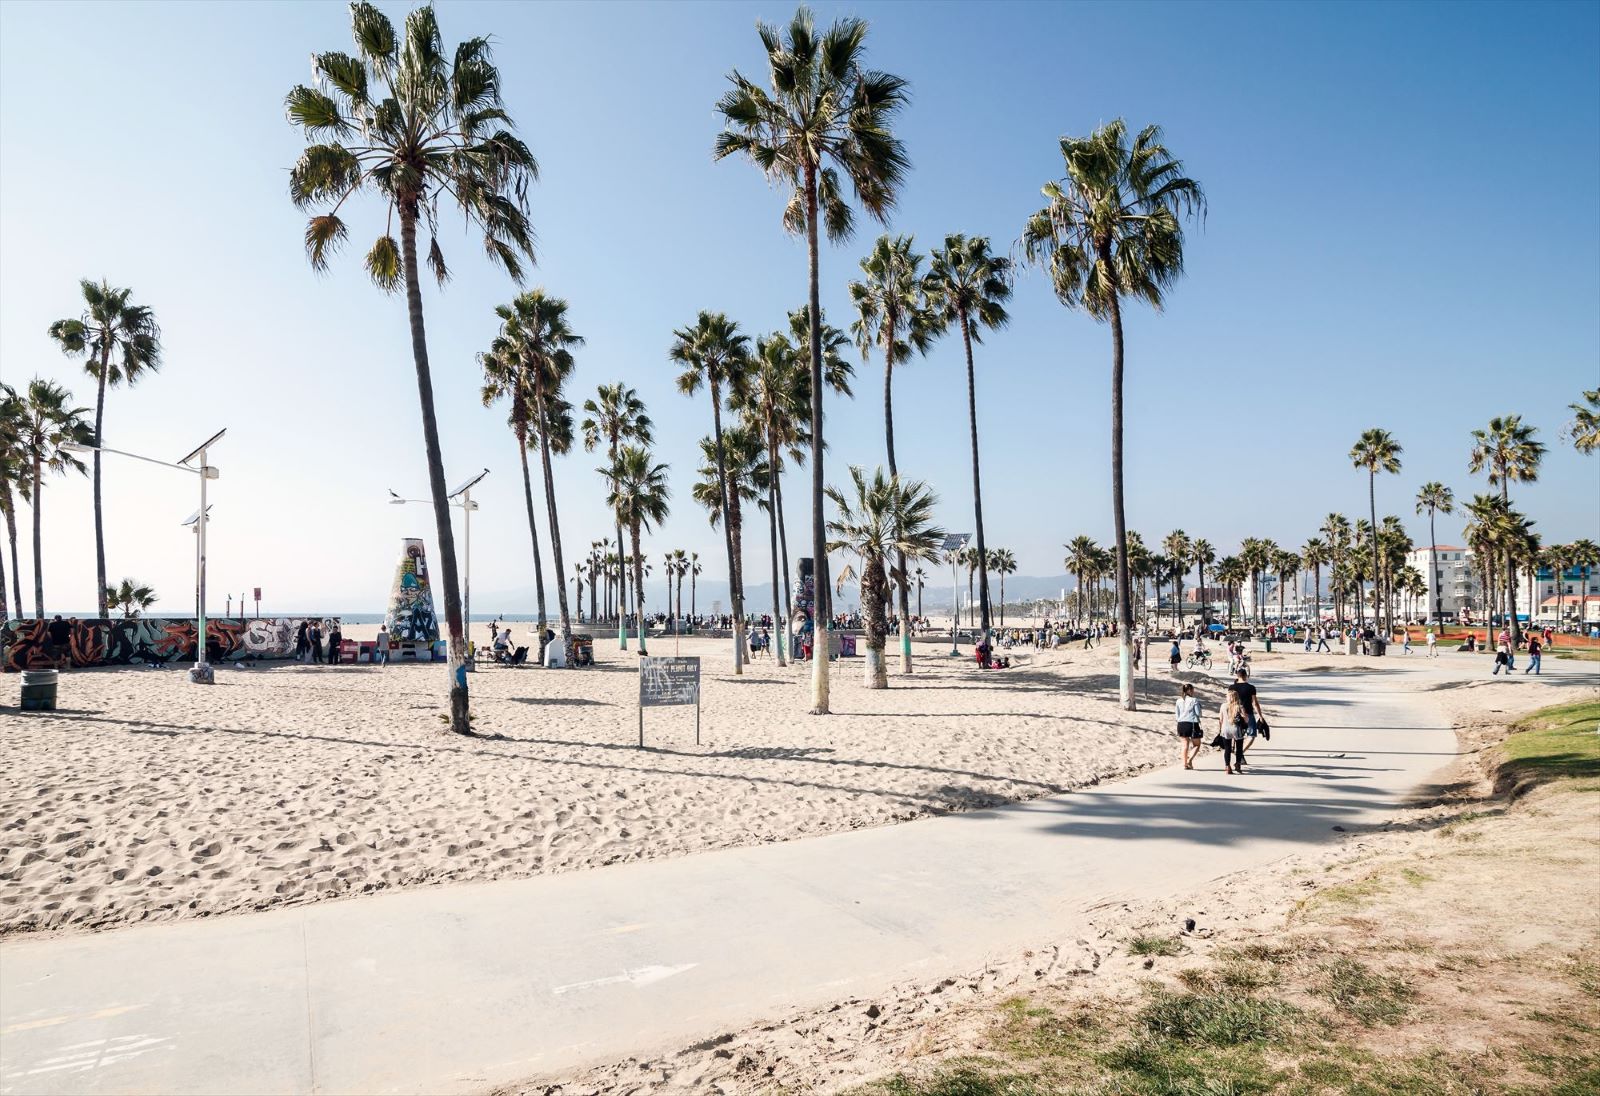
(446, 989)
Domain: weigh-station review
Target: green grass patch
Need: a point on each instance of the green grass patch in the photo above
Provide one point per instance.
(1155, 945)
(1355, 991)
(1219, 1019)
(963, 1080)
(1414, 877)
(1556, 743)
(1574, 655)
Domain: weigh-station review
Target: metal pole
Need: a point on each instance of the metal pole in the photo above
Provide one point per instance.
(466, 588)
(955, 609)
(202, 672)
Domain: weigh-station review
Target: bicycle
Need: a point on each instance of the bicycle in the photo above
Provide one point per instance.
(1199, 660)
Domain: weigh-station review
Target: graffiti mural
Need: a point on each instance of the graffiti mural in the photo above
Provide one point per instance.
(26, 644)
(410, 616)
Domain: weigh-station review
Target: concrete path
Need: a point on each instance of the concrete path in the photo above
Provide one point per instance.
(447, 989)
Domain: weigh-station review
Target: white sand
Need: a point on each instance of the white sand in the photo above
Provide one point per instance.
(147, 797)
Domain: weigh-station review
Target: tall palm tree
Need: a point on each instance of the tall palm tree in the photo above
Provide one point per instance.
(131, 596)
(1080, 561)
(1557, 557)
(881, 516)
(1138, 557)
(120, 341)
(1584, 429)
(1111, 230)
(713, 353)
(1435, 498)
(734, 475)
(921, 578)
(1486, 534)
(1336, 527)
(677, 565)
(1376, 451)
(1314, 554)
(695, 569)
(1178, 547)
(1003, 563)
(505, 376)
(536, 336)
(408, 120)
(1203, 556)
(891, 316)
(615, 417)
(50, 424)
(639, 498)
(1583, 554)
(1286, 565)
(968, 286)
(14, 484)
(825, 124)
(1231, 573)
(1507, 450)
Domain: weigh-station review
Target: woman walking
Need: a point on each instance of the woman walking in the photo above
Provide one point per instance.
(1189, 725)
(1231, 726)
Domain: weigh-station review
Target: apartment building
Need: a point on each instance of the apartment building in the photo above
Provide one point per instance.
(1454, 585)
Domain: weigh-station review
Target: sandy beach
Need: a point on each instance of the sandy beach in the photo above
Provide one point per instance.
(148, 798)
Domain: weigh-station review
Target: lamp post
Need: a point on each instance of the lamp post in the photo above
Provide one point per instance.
(462, 497)
(953, 543)
(201, 674)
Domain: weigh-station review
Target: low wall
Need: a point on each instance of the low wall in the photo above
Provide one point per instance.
(118, 642)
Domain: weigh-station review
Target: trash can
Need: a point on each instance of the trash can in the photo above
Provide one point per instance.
(1378, 645)
(555, 654)
(1352, 645)
(1269, 645)
(39, 690)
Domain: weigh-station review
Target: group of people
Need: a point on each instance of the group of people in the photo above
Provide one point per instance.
(1505, 654)
(312, 645)
(1240, 721)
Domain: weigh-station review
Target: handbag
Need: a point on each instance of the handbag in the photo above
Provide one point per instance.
(1263, 729)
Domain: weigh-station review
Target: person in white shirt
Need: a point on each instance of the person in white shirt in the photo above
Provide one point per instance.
(1188, 712)
(1433, 644)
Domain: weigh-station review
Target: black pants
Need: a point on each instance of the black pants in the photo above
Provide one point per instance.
(1233, 752)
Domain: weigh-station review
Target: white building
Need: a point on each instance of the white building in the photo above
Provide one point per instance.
(1454, 585)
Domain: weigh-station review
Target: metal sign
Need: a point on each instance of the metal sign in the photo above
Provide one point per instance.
(669, 680)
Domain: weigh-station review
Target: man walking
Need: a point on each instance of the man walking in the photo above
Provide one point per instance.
(381, 653)
(1249, 706)
(1535, 653)
(1322, 639)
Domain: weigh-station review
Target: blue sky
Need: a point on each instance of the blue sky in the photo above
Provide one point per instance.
(1402, 233)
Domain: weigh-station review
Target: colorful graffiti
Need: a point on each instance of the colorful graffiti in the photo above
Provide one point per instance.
(27, 644)
(410, 617)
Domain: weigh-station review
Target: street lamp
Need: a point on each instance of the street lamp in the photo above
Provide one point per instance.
(953, 543)
(202, 673)
(467, 506)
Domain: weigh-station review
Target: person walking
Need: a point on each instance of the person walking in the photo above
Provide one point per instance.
(1188, 713)
(1322, 640)
(301, 642)
(1433, 644)
(1231, 725)
(315, 635)
(1405, 648)
(1535, 654)
(335, 642)
(1249, 705)
(1175, 656)
(381, 653)
(1502, 659)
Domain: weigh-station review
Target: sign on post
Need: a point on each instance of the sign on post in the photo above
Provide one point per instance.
(669, 680)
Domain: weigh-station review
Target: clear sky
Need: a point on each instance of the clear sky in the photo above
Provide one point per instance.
(1404, 231)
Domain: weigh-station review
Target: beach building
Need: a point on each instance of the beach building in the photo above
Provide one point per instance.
(1455, 586)
(1572, 598)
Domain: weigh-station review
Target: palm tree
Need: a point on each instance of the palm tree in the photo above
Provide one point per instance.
(1583, 554)
(579, 571)
(48, 427)
(1434, 497)
(883, 516)
(131, 596)
(891, 315)
(616, 417)
(1486, 533)
(109, 325)
(1336, 527)
(1376, 451)
(1584, 429)
(968, 286)
(14, 483)
(1203, 556)
(639, 499)
(694, 575)
(1177, 547)
(1004, 563)
(414, 124)
(1314, 554)
(677, 565)
(715, 354)
(537, 341)
(826, 116)
(1231, 573)
(1080, 561)
(1286, 565)
(732, 476)
(1507, 451)
(1111, 230)
(1157, 568)
(921, 578)
(1138, 557)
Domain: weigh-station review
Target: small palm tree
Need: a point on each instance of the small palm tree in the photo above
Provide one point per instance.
(881, 516)
(1508, 451)
(967, 286)
(1336, 527)
(1286, 565)
(616, 417)
(1202, 555)
(1177, 547)
(1376, 451)
(1583, 554)
(1584, 429)
(638, 497)
(713, 353)
(1080, 561)
(121, 342)
(1314, 554)
(1435, 498)
(827, 115)
(1231, 573)
(413, 123)
(1111, 230)
(131, 596)
(1004, 563)
(694, 575)
(49, 426)
(733, 476)
(921, 577)
(677, 566)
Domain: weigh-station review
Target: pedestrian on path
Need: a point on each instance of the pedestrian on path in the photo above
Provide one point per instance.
(1535, 654)
(1502, 660)
(1175, 656)
(1322, 640)
(381, 653)
(1231, 725)
(1188, 712)
(1249, 705)
(1433, 644)
(1405, 648)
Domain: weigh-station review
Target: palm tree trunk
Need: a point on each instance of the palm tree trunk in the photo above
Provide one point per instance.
(728, 491)
(533, 534)
(5, 606)
(900, 577)
(819, 540)
(1202, 597)
(638, 585)
(772, 523)
(555, 532)
(874, 592)
(99, 518)
(16, 572)
(735, 523)
(35, 503)
(1118, 515)
(621, 593)
(593, 601)
(460, 720)
(1002, 599)
(1433, 571)
(977, 486)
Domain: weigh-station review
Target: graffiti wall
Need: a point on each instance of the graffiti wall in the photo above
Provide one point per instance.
(410, 616)
(27, 644)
